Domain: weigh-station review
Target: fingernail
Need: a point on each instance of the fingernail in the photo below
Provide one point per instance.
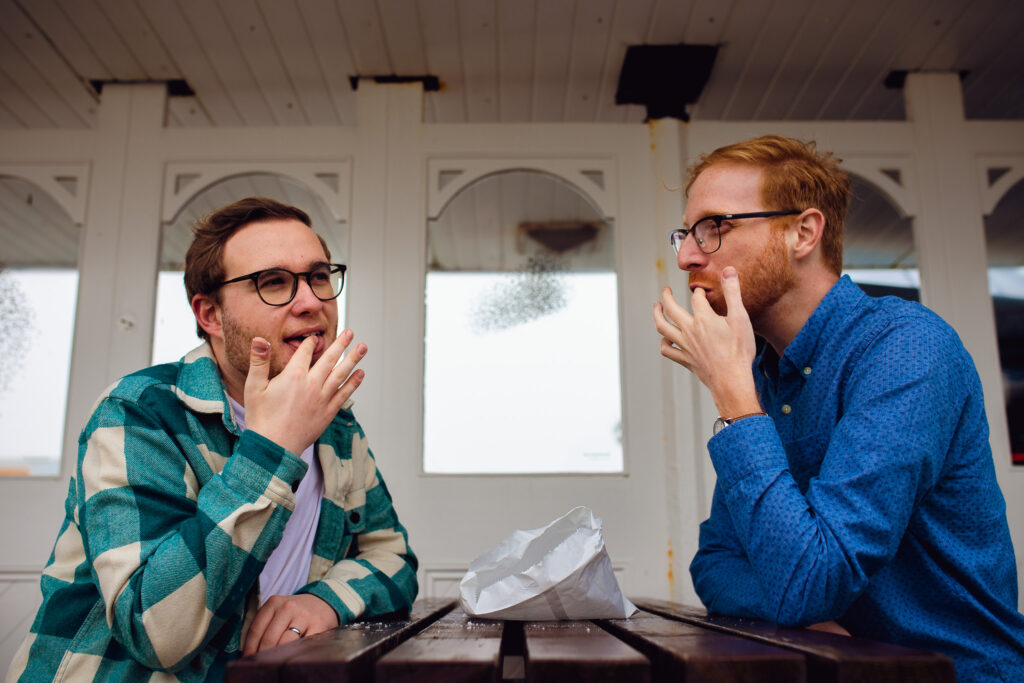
(260, 346)
(729, 273)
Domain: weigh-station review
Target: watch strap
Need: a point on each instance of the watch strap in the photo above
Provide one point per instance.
(722, 422)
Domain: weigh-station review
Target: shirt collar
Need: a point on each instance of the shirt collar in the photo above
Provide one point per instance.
(826, 320)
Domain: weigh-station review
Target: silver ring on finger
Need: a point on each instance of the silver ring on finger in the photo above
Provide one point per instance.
(297, 631)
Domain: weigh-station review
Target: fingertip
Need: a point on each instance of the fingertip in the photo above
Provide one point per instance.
(729, 273)
(260, 346)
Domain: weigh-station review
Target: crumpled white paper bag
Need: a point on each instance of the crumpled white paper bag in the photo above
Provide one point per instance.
(561, 571)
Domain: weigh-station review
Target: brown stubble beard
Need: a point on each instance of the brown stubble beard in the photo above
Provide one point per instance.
(764, 282)
(238, 345)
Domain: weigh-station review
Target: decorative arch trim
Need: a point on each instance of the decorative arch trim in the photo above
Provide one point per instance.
(893, 176)
(594, 178)
(331, 181)
(68, 184)
(993, 191)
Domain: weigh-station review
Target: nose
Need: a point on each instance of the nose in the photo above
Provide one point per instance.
(304, 299)
(690, 257)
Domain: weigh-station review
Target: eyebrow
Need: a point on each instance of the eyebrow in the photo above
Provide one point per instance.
(309, 266)
(703, 216)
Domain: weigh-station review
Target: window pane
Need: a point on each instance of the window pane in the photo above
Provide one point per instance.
(1006, 284)
(38, 294)
(878, 246)
(37, 319)
(521, 370)
(541, 396)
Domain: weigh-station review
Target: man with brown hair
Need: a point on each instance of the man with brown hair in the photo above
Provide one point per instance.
(855, 480)
(226, 503)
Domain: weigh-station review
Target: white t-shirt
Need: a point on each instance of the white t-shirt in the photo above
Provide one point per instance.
(287, 568)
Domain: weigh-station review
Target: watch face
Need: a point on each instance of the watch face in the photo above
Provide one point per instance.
(719, 424)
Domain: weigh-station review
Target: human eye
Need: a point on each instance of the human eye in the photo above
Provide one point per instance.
(270, 280)
(320, 275)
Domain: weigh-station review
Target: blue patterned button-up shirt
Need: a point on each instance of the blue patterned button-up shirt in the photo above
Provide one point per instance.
(868, 494)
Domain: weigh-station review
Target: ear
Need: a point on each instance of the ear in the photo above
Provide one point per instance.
(207, 313)
(807, 232)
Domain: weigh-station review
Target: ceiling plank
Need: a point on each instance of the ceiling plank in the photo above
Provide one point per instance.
(31, 63)
(742, 31)
(478, 33)
(630, 25)
(176, 33)
(400, 23)
(21, 107)
(141, 39)
(552, 59)
(7, 118)
(263, 56)
(64, 33)
(365, 36)
(798, 57)
(330, 45)
(221, 47)
(768, 52)
(444, 59)
(590, 38)
(187, 112)
(516, 36)
(706, 22)
(104, 41)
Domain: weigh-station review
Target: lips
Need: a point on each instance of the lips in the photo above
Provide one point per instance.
(697, 285)
(296, 340)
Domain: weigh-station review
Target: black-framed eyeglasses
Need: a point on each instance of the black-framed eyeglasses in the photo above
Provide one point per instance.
(707, 232)
(277, 286)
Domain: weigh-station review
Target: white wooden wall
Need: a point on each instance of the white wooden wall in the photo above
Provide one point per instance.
(126, 166)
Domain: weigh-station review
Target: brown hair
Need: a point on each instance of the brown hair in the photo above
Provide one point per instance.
(204, 266)
(795, 176)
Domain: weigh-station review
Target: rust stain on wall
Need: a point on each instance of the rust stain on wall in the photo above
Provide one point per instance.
(671, 574)
(659, 265)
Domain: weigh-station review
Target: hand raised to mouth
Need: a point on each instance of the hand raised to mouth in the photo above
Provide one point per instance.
(718, 349)
(294, 408)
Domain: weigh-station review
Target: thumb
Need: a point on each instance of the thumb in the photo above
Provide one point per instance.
(259, 364)
(731, 290)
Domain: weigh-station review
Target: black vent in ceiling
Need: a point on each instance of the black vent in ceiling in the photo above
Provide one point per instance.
(665, 78)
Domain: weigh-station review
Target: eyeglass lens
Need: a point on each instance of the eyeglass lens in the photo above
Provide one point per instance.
(277, 287)
(705, 233)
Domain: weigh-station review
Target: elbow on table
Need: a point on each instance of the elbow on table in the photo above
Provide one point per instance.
(166, 644)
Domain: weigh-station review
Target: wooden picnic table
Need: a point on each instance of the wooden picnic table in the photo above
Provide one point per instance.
(663, 641)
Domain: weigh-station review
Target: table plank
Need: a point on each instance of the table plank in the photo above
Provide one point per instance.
(454, 648)
(343, 654)
(680, 651)
(558, 651)
(830, 657)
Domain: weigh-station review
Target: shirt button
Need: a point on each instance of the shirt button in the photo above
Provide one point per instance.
(807, 370)
(787, 409)
(355, 517)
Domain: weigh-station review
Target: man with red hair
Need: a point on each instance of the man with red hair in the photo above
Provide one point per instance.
(855, 479)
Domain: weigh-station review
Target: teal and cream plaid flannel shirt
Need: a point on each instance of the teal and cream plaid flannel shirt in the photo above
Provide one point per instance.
(170, 517)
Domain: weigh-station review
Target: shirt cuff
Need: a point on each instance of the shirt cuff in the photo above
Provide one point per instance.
(746, 446)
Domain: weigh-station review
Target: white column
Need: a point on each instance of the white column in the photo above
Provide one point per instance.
(118, 251)
(687, 468)
(949, 235)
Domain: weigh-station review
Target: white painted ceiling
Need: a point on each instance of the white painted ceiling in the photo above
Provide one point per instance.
(289, 63)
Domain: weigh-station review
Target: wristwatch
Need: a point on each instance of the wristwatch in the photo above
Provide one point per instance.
(721, 422)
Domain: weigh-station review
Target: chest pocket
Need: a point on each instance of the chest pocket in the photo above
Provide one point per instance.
(805, 456)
